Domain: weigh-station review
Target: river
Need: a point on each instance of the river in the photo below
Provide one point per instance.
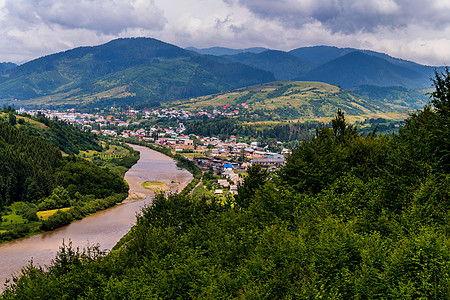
(105, 227)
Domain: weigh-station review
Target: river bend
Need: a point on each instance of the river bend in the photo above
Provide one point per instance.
(105, 227)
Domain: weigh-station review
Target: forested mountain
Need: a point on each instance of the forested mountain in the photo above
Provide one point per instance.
(347, 67)
(132, 70)
(6, 66)
(148, 71)
(64, 136)
(349, 217)
(27, 167)
(319, 55)
(357, 68)
(31, 168)
(283, 65)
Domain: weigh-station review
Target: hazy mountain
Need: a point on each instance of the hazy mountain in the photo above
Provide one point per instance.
(225, 51)
(357, 68)
(283, 65)
(147, 70)
(139, 69)
(319, 55)
(6, 66)
(327, 64)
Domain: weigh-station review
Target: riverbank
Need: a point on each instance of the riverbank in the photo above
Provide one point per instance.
(104, 228)
(182, 162)
(84, 184)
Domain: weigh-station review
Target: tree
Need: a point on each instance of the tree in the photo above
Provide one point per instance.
(256, 178)
(440, 98)
(12, 119)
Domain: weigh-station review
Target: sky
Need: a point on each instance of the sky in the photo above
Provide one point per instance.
(415, 30)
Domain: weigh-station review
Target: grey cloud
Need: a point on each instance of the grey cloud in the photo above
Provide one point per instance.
(103, 16)
(350, 16)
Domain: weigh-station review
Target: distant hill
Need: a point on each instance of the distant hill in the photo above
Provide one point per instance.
(325, 63)
(287, 100)
(132, 70)
(226, 51)
(6, 66)
(357, 68)
(147, 71)
(283, 65)
(319, 55)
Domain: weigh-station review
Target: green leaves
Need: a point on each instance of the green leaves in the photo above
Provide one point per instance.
(349, 217)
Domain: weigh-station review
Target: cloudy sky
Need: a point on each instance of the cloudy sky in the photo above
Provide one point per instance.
(416, 30)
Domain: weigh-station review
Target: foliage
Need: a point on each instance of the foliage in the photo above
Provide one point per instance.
(349, 217)
(34, 174)
(226, 127)
(63, 135)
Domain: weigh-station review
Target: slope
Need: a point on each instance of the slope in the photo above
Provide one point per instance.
(283, 65)
(6, 66)
(285, 100)
(109, 70)
(357, 68)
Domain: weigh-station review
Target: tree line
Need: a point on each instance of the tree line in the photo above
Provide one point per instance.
(36, 173)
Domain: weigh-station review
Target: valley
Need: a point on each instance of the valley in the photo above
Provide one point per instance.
(319, 172)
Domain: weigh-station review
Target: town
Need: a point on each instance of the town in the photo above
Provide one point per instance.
(227, 158)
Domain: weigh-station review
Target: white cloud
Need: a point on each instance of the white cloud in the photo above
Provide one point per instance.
(103, 16)
(352, 16)
(409, 29)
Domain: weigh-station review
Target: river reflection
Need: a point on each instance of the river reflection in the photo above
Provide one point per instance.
(105, 227)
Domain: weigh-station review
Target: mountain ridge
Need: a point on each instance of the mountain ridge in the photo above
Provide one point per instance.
(357, 68)
(146, 70)
(81, 73)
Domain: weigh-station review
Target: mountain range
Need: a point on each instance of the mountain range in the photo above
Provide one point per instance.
(345, 67)
(128, 70)
(145, 70)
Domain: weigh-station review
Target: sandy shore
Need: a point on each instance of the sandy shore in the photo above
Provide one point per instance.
(134, 196)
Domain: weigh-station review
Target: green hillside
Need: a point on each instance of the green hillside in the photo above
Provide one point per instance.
(284, 100)
(131, 70)
(283, 65)
(35, 176)
(350, 216)
(67, 138)
(357, 68)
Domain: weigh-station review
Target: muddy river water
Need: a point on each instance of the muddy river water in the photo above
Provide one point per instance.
(105, 227)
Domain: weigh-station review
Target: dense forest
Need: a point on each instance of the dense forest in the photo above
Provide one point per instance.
(59, 133)
(350, 216)
(35, 175)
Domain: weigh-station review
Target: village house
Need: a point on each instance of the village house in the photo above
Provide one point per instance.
(223, 183)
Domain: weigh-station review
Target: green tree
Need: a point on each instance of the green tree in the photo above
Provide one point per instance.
(440, 98)
(12, 119)
(256, 178)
